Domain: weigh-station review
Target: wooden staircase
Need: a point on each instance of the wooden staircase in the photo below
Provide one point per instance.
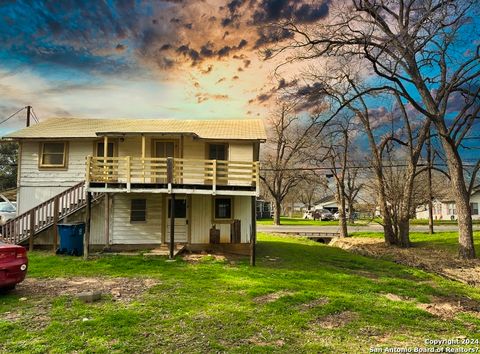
(24, 227)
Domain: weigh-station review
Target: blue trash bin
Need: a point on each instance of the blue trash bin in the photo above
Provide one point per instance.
(71, 238)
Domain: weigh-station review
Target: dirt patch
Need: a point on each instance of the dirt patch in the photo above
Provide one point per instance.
(434, 260)
(448, 308)
(395, 297)
(121, 289)
(219, 257)
(336, 320)
(314, 303)
(271, 297)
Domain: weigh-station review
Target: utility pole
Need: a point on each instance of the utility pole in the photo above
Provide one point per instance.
(29, 108)
(430, 197)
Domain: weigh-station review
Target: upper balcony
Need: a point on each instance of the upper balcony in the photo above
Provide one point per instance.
(172, 175)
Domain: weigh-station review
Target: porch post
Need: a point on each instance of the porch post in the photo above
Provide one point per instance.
(143, 157)
(253, 236)
(172, 225)
(107, 220)
(86, 236)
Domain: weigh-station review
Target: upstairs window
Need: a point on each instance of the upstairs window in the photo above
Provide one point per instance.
(138, 210)
(218, 152)
(53, 155)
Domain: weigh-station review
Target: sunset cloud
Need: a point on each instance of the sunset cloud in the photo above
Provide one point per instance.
(183, 50)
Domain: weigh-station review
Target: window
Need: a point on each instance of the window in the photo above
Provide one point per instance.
(110, 149)
(474, 208)
(53, 154)
(218, 152)
(223, 209)
(138, 210)
(452, 209)
(180, 208)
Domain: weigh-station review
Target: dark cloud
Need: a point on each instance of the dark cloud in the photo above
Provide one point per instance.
(268, 35)
(120, 47)
(269, 11)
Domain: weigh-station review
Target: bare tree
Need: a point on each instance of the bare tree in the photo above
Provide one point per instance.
(284, 156)
(337, 136)
(311, 189)
(413, 49)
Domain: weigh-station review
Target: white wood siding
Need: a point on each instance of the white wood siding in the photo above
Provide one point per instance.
(124, 232)
(30, 175)
(193, 149)
(202, 219)
(241, 152)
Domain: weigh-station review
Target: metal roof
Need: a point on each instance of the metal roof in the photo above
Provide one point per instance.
(240, 129)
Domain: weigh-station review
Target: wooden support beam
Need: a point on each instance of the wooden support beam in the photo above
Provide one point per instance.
(86, 236)
(107, 220)
(253, 235)
(143, 157)
(172, 226)
(56, 211)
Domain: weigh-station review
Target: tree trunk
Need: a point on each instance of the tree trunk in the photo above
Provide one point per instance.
(278, 206)
(404, 232)
(342, 220)
(462, 201)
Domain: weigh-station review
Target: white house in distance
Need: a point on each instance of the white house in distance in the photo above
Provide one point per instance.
(444, 208)
(125, 174)
(329, 203)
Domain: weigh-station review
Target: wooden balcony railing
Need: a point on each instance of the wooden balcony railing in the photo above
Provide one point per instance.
(130, 170)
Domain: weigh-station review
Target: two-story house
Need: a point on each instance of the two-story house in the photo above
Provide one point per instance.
(138, 181)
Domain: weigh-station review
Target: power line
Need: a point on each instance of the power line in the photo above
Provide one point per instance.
(21, 109)
(349, 167)
(35, 116)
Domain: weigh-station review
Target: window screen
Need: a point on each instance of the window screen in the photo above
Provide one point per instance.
(180, 208)
(138, 210)
(53, 154)
(217, 152)
(223, 208)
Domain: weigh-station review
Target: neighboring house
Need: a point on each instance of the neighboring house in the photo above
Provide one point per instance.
(444, 208)
(130, 170)
(264, 209)
(328, 203)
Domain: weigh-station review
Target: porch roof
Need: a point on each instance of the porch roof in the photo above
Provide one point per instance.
(64, 128)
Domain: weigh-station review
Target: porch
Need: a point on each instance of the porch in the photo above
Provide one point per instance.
(172, 175)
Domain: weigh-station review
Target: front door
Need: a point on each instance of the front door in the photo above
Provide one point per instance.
(181, 221)
(164, 149)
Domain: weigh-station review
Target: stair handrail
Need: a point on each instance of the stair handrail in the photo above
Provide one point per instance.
(19, 229)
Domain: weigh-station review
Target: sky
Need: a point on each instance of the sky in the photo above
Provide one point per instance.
(142, 59)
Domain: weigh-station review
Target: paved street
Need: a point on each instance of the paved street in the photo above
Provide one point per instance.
(369, 228)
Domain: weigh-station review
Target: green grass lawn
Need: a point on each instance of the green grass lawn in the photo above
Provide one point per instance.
(301, 297)
(445, 240)
(298, 221)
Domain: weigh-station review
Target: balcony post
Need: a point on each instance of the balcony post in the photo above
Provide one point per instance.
(87, 174)
(169, 173)
(257, 178)
(128, 171)
(143, 157)
(105, 161)
(214, 181)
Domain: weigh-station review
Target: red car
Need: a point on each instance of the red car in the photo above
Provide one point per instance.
(13, 265)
